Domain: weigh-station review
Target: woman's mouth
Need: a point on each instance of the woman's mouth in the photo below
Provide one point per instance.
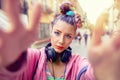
(59, 47)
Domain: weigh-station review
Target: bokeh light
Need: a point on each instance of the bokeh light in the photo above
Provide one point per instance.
(93, 8)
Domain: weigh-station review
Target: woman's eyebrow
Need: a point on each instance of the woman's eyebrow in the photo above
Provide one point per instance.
(57, 30)
(61, 32)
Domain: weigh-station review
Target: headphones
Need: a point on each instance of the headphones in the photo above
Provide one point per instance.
(51, 54)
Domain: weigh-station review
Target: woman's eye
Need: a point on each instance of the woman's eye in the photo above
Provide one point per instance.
(56, 33)
(68, 36)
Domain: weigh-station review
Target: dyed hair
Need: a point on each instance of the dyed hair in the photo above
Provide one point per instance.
(66, 14)
(67, 19)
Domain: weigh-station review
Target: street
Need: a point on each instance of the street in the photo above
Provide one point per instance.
(80, 49)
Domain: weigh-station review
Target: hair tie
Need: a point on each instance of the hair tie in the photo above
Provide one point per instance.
(70, 13)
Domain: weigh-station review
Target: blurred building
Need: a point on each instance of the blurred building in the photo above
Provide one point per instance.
(50, 8)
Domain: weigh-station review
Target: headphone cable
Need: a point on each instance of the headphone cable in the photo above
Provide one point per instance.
(54, 72)
(52, 69)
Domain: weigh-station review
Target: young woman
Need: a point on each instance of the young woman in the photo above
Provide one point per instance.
(55, 61)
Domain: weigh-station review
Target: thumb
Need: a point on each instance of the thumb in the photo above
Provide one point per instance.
(99, 29)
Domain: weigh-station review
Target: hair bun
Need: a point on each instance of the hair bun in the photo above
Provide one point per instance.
(65, 7)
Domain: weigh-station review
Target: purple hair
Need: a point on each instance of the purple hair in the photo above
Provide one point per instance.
(67, 19)
(64, 9)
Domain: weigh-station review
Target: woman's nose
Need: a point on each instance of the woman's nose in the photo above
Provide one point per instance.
(61, 39)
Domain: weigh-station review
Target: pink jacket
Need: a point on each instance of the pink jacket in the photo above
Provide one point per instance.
(35, 56)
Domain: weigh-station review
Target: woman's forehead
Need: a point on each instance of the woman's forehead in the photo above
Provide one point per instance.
(63, 26)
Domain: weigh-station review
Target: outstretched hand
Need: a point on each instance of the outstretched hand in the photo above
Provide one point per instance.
(105, 55)
(18, 37)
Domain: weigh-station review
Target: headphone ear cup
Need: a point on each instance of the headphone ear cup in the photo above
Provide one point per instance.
(51, 55)
(66, 55)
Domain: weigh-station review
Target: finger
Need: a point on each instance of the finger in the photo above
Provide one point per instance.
(99, 29)
(96, 49)
(34, 17)
(12, 11)
(1, 38)
(116, 39)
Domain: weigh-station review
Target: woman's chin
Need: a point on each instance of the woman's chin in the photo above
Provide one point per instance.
(59, 51)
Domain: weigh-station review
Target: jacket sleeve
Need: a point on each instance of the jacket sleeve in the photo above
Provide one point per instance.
(21, 69)
(85, 70)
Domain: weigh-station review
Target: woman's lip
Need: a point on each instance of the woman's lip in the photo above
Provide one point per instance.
(59, 47)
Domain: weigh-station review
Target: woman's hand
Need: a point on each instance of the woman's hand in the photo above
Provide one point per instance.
(18, 37)
(105, 55)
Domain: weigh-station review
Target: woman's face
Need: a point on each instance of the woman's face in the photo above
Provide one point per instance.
(62, 35)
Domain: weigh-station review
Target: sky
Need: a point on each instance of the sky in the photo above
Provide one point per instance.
(93, 8)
